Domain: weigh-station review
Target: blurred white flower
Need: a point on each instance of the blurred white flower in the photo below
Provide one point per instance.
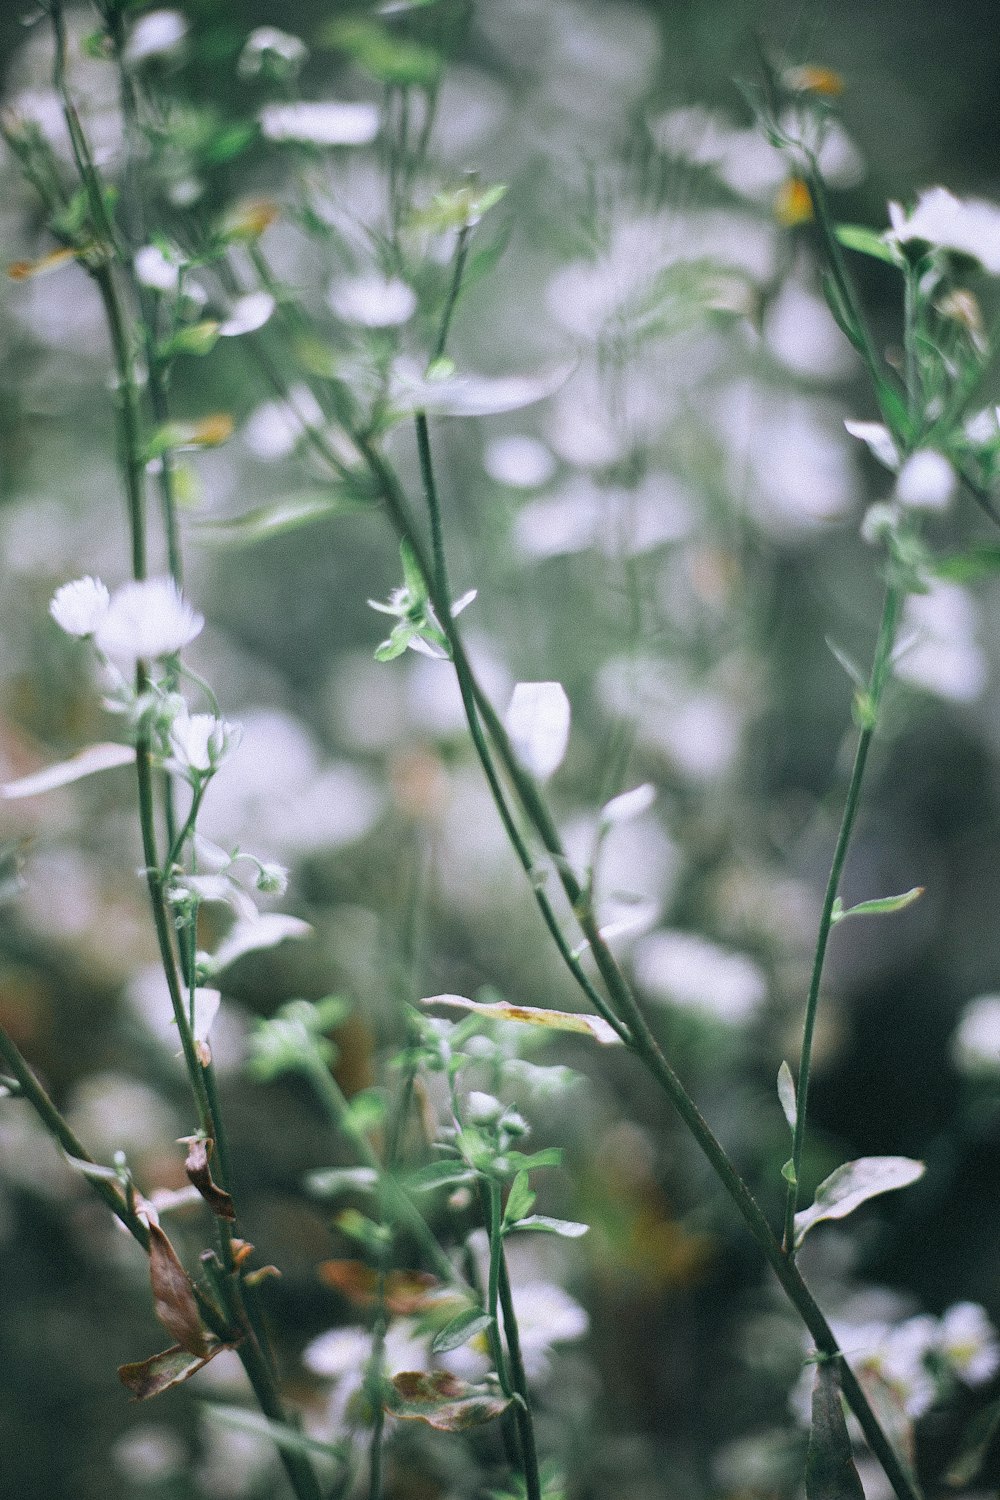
(944, 656)
(326, 123)
(267, 46)
(153, 34)
(146, 620)
(939, 218)
(879, 441)
(200, 741)
(520, 461)
(343, 1354)
(968, 1341)
(688, 970)
(975, 1046)
(247, 314)
(926, 481)
(372, 301)
(80, 606)
(153, 269)
(273, 428)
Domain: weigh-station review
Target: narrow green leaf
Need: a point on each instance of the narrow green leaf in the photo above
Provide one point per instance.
(852, 669)
(786, 1094)
(830, 1470)
(412, 575)
(551, 1157)
(460, 1330)
(867, 242)
(788, 1172)
(520, 1199)
(968, 566)
(881, 906)
(281, 516)
(853, 1184)
(439, 1174)
(569, 1229)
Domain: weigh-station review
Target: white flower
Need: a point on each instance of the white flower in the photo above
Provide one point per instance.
(146, 620)
(944, 658)
(976, 1044)
(268, 44)
(327, 123)
(199, 741)
(926, 481)
(968, 1341)
(158, 32)
(80, 606)
(247, 314)
(878, 439)
(372, 301)
(153, 269)
(972, 227)
(686, 969)
(272, 879)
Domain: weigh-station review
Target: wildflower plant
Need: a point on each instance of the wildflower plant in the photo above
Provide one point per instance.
(437, 1181)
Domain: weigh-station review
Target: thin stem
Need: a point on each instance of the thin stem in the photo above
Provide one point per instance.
(872, 701)
(522, 1406)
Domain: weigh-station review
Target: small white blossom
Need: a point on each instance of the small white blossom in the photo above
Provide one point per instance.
(267, 46)
(976, 1043)
(482, 1109)
(372, 301)
(926, 481)
(146, 620)
(272, 879)
(153, 269)
(199, 741)
(158, 32)
(878, 439)
(80, 606)
(247, 314)
(968, 1341)
(939, 218)
(327, 123)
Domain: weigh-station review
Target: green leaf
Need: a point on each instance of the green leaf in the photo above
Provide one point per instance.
(442, 1401)
(366, 1111)
(520, 1199)
(439, 1174)
(852, 669)
(459, 208)
(853, 1184)
(557, 1020)
(881, 906)
(569, 1229)
(786, 1094)
(867, 242)
(830, 1470)
(551, 1157)
(289, 514)
(413, 576)
(460, 1330)
(968, 566)
(285, 1438)
(382, 54)
(788, 1172)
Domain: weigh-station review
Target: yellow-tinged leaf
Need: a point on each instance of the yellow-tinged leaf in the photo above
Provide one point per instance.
(533, 1015)
(22, 270)
(150, 1377)
(810, 79)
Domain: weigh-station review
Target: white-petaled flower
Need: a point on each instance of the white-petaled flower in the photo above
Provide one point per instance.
(199, 742)
(926, 481)
(968, 1341)
(272, 879)
(80, 606)
(155, 270)
(879, 441)
(975, 1046)
(372, 301)
(158, 32)
(146, 620)
(267, 48)
(939, 218)
(247, 314)
(326, 123)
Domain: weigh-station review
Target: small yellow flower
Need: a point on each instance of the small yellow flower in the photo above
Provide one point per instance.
(793, 204)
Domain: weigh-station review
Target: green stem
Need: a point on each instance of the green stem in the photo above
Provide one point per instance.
(522, 1406)
(870, 708)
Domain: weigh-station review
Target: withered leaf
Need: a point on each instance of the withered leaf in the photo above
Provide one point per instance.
(406, 1292)
(197, 1168)
(830, 1470)
(173, 1297)
(149, 1377)
(442, 1401)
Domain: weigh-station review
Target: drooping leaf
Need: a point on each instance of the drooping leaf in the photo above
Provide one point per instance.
(406, 1292)
(537, 721)
(173, 1297)
(830, 1470)
(556, 1020)
(150, 1377)
(279, 517)
(853, 1184)
(460, 1330)
(87, 762)
(442, 1401)
(881, 906)
(867, 242)
(200, 1176)
(458, 395)
(569, 1229)
(786, 1094)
